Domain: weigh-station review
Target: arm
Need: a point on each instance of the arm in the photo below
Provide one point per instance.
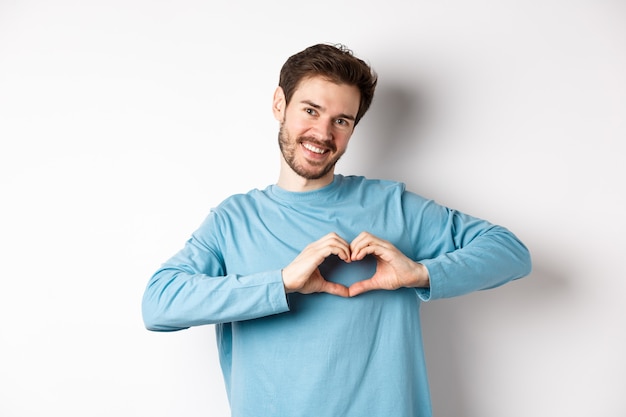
(488, 261)
(466, 254)
(453, 254)
(191, 289)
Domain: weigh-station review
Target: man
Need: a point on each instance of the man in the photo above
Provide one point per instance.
(314, 284)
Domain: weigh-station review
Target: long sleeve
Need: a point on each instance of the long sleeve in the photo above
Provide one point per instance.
(193, 289)
(466, 254)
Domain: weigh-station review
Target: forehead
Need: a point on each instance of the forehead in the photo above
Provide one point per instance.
(342, 98)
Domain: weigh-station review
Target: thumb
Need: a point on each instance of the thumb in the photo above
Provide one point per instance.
(361, 286)
(335, 289)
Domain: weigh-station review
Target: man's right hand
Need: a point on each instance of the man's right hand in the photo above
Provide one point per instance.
(303, 275)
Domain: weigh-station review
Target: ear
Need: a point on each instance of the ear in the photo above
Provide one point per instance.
(279, 104)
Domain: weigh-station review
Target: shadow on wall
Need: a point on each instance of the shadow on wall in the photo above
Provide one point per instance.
(391, 126)
(447, 328)
(396, 126)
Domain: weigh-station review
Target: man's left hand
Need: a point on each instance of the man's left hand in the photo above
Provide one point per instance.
(393, 269)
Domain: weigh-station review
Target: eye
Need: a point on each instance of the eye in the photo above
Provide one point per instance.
(311, 111)
(342, 122)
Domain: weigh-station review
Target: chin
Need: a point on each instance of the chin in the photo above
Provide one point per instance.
(315, 174)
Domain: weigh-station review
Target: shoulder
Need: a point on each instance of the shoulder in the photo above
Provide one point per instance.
(237, 209)
(357, 182)
(385, 191)
(240, 202)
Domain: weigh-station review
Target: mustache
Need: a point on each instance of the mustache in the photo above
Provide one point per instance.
(321, 144)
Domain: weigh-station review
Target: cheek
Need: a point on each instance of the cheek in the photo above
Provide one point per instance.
(342, 140)
(295, 124)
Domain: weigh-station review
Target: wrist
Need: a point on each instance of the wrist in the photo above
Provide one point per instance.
(422, 276)
(285, 285)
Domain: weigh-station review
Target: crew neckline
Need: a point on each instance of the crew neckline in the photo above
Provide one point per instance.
(285, 195)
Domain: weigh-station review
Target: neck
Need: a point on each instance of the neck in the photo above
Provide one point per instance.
(290, 181)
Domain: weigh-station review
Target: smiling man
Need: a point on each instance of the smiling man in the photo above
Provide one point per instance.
(321, 120)
(315, 283)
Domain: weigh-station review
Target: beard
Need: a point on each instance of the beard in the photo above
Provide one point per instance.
(312, 170)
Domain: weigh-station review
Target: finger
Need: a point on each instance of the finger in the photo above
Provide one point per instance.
(333, 237)
(322, 250)
(335, 289)
(365, 244)
(359, 253)
(361, 287)
(341, 250)
(373, 248)
(334, 244)
(363, 239)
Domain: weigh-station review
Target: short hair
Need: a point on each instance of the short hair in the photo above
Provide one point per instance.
(337, 64)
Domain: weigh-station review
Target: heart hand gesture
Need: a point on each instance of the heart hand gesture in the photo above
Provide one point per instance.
(393, 269)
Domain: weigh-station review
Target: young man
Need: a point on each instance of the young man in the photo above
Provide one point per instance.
(314, 284)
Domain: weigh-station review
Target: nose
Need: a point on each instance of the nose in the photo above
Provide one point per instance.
(323, 129)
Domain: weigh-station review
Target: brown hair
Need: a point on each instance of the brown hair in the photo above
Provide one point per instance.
(335, 63)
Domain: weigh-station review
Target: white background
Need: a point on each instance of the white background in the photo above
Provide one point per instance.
(123, 122)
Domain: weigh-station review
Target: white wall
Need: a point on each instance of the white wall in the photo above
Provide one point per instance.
(123, 122)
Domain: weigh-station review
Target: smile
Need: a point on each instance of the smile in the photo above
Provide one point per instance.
(314, 148)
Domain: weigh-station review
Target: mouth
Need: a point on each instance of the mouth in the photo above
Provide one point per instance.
(314, 149)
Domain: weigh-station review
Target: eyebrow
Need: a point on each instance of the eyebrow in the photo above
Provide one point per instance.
(318, 107)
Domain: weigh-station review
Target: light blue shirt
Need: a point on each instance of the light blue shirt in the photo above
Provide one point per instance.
(321, 355)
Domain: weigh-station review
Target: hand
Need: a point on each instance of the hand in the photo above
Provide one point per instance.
(393, 269)
(302, 274)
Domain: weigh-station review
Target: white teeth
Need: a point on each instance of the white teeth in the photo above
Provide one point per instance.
(313, 148)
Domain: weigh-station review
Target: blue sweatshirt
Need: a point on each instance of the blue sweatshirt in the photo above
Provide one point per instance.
(320, 355)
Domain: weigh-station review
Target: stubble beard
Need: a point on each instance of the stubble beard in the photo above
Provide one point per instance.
(288, 148)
